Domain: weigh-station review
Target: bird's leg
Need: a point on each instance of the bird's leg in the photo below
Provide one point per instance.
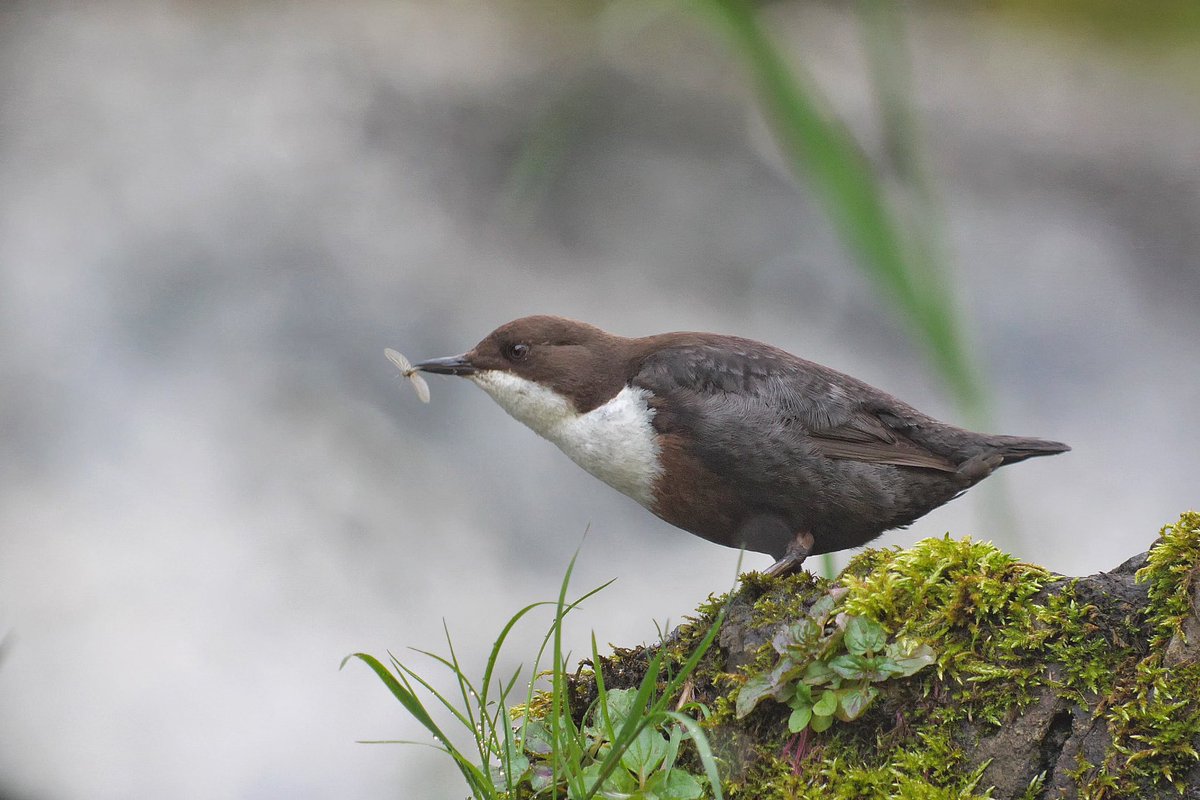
(797, 550)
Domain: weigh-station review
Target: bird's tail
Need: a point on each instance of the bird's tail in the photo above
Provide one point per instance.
(1019, 448)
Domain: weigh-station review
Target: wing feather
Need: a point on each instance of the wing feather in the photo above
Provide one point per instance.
(866, 437)
(731, 383)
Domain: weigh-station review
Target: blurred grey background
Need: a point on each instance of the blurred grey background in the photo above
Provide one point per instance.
(215, 216)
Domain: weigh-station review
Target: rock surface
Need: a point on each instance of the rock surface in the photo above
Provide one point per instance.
(1043, 687)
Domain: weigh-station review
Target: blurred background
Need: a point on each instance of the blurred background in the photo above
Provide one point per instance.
(215, 216)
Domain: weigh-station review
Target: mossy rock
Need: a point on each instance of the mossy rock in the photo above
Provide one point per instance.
(1044, 686)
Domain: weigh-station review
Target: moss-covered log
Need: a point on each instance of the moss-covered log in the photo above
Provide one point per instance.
(1039, 685)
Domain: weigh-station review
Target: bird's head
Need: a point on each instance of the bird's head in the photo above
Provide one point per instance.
(542, 368)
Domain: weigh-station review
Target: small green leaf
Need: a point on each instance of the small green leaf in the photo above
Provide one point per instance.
(644, 753)
(818, 672)
(877, 668)
(826, 705)
(541, 777)
(910, 659)
(619, 703)
(819, 724)
(864, 636)
(848, 666)
(682, 786)
(853, 702)
(885, 667)
(673, 785)
(785, 673)
(822, 608)
(799, 635)
(537, 738)
(798, 721)
(619, 781)
(513, 771)
(752, 693)
(674, 740)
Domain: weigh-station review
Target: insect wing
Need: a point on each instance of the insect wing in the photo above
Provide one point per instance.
(406, 367)
(400, 361)
(421, 386)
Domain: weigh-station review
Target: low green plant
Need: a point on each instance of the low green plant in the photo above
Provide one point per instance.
(646, 768)
(626, 744)
(828, 666)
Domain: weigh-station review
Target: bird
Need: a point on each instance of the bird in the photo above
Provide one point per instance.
(731, 439)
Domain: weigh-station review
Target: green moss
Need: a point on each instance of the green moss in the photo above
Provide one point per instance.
(974, 604)
(1004, 632)
(1088, 655)
(694, 628)
(1155, 722)
(1153, 711)
(782, 599)
(996, 623)
(1170, 572)
(844, 768)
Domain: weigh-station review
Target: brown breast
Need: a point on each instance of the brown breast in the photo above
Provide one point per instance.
(690, 496)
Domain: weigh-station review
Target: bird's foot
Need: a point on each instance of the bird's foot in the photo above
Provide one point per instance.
(797, 550)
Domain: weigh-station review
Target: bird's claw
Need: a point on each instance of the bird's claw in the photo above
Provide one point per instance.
(793, 558)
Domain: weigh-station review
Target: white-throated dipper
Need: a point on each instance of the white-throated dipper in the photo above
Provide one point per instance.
(731, 439)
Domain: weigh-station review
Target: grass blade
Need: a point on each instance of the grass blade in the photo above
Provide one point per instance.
(823, 152)
(707, 759)
(478, 781)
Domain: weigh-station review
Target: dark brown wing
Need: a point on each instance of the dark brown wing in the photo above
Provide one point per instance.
(865, 437)
(730, 384)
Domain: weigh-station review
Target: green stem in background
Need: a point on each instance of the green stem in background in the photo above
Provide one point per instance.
(886, 46)
(543, 153)
(825, 155)
(828, 566)
(899, 245)
(890, 67)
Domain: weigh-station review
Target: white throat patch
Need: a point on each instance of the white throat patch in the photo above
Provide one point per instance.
(615, 441)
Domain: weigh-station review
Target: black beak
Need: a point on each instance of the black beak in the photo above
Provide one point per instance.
(450, 365)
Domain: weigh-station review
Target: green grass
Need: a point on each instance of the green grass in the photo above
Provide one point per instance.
(627, 743)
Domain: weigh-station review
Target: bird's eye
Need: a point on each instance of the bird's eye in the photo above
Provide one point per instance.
(517, 352)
